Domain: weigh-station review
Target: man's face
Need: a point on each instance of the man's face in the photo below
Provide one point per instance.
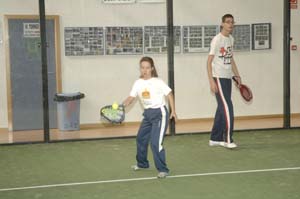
(228, 24)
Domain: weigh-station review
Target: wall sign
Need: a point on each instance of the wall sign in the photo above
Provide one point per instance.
(241, 35)
(123, 40)
(155, 39)
(31, 30)
(261, 36)
(81, 41)
(198, 38)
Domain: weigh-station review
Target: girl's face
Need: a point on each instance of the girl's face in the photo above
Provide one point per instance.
(146, 70)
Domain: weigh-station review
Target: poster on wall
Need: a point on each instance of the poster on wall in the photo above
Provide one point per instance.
(198, 38)
(156, 39)
(241, 35)
(261, 36)
(81, 41)
(123, 40)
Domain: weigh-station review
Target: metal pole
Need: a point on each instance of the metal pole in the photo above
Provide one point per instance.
(172, 129)
(44, 70)
(286, 65)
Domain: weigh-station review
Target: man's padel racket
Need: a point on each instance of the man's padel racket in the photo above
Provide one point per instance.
(245, 91)
(112, 113)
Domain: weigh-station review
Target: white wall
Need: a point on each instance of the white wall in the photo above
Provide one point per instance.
(93, 75)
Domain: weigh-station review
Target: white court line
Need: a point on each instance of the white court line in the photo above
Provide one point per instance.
(147, 178)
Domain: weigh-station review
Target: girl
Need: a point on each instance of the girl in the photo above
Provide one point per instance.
(152, 91)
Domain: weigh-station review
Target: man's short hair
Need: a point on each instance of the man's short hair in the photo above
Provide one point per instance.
(227, 16)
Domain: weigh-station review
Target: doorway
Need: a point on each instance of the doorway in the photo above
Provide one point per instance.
(24, 71)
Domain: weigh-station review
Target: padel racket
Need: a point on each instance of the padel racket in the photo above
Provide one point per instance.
(113, 114)
(245, 91)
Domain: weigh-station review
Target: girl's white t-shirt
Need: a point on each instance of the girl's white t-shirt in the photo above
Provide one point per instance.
(151, 92)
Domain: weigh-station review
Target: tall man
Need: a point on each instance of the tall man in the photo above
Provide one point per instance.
(221, 67)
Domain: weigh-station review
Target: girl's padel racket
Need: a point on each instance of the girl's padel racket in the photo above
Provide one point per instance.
(112, 113)
(245, 91)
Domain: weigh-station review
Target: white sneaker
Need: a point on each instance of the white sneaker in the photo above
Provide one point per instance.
(230, 145)
(215, 143)
(162, 174)
(136, 168)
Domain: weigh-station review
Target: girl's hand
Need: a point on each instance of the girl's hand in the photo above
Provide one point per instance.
(174, 116)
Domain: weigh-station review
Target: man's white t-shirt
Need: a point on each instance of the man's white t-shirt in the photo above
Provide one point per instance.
(222, 49)
(151, 92)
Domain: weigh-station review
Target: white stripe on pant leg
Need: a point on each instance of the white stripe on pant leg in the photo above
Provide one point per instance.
(162, 127)
(226, 109)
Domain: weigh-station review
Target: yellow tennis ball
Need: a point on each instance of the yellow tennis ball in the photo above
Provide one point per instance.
(115, 106)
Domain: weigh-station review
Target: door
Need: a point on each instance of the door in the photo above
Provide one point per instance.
(26, 73)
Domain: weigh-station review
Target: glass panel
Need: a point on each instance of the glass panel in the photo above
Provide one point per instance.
(94, 48)
(100, 52)
(21, 77)
(295, 69)
(260, 69)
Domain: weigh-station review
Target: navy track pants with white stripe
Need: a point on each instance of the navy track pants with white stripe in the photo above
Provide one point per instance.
(153, 129)
(223, 124)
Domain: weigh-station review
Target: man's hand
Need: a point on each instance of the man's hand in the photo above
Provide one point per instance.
(213, 86)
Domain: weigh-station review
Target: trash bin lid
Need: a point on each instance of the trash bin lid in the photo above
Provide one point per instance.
(63, 97)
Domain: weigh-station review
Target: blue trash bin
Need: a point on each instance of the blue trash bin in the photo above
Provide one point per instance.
(68, 110)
